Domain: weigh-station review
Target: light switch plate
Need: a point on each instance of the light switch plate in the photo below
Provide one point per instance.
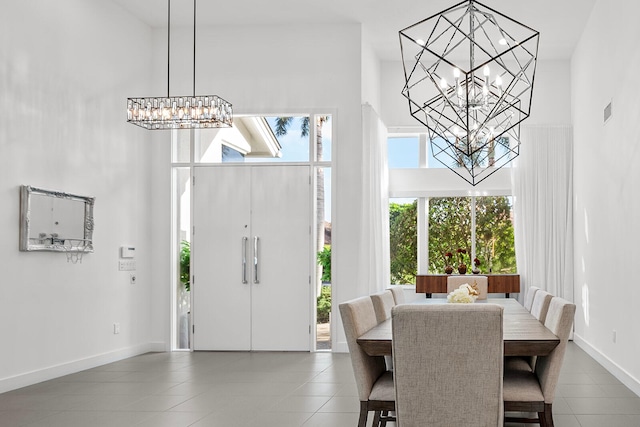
(127, 252)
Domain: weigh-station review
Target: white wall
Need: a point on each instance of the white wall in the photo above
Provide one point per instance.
(370, 75)
(65, 73)
(606, 175)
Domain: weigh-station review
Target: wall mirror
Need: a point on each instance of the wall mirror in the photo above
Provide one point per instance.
(55, 221)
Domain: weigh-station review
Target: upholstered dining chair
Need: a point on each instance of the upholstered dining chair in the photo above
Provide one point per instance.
(528, 298)
(383, 302)
(398, 294)
(540, 306)
(454, 282)
(374, 382)
(447, 361)
(526, 391)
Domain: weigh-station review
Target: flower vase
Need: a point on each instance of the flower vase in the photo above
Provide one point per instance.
(462, 269)
(448, 269)
(476, 271)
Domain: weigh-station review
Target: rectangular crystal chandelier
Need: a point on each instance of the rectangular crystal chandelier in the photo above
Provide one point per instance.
(180, 112)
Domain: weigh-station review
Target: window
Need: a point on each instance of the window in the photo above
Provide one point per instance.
(494, 237)
(403, 240)
(229, 155)
(450, 229)
(403, 152)
(449, 224)
(442, 219)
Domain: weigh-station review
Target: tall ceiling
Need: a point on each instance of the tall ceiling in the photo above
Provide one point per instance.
(560, 22)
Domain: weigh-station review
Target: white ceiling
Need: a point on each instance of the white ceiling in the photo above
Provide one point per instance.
(560, 22)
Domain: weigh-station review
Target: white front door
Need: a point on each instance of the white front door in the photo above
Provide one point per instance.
(251, 258)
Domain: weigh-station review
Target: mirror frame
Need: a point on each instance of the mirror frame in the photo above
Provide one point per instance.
(54, 246)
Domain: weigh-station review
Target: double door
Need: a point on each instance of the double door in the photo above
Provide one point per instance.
(251, 258)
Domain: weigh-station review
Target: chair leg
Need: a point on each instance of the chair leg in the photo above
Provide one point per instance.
(376, 419)
(546, 417)
(364, 413)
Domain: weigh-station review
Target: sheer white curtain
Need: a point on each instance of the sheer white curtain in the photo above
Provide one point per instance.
(542, 178)
(374, 234)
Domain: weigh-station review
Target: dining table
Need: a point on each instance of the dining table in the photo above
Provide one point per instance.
(523, 334)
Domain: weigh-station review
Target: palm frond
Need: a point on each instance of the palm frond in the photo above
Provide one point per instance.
(282, 125)
(304, 126)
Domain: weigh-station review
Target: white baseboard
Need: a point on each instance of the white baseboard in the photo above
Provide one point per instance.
(157, 347)
(34, 377)
(618, 372)
(340, 347)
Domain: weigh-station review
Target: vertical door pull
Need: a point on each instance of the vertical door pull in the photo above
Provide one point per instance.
(256, 259)
(244, 260)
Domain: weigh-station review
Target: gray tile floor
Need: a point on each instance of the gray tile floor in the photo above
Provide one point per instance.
(266, 389)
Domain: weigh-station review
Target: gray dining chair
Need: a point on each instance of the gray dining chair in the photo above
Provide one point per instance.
(527, 391)
(539, 309)
(398, 294)
(383, 302)
(528, 299)
(454, 282)
(540, 306)
(373, 381)
(447, 361)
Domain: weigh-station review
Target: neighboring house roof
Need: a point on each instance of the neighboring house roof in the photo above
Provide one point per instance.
(260, 136)
(250, 135)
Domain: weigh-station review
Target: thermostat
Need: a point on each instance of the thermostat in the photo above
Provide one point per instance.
(127, 252)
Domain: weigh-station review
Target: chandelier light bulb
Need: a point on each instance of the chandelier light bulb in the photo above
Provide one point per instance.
(499, 85)
(485, 88)
(443, 83)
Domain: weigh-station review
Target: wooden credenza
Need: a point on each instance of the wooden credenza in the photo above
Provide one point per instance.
(497, 283)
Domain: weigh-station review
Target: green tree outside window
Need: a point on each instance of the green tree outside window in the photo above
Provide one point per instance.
(450, 230)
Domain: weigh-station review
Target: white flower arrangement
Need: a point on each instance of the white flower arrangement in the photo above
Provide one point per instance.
(464, 294)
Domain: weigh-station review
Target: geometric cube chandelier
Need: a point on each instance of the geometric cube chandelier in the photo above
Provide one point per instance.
(469, 73)
(180, 112)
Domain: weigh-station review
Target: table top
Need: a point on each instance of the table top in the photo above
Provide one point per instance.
(523, 334)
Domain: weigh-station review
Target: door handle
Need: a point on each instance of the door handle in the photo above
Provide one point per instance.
(256, 259)
(244, 260)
